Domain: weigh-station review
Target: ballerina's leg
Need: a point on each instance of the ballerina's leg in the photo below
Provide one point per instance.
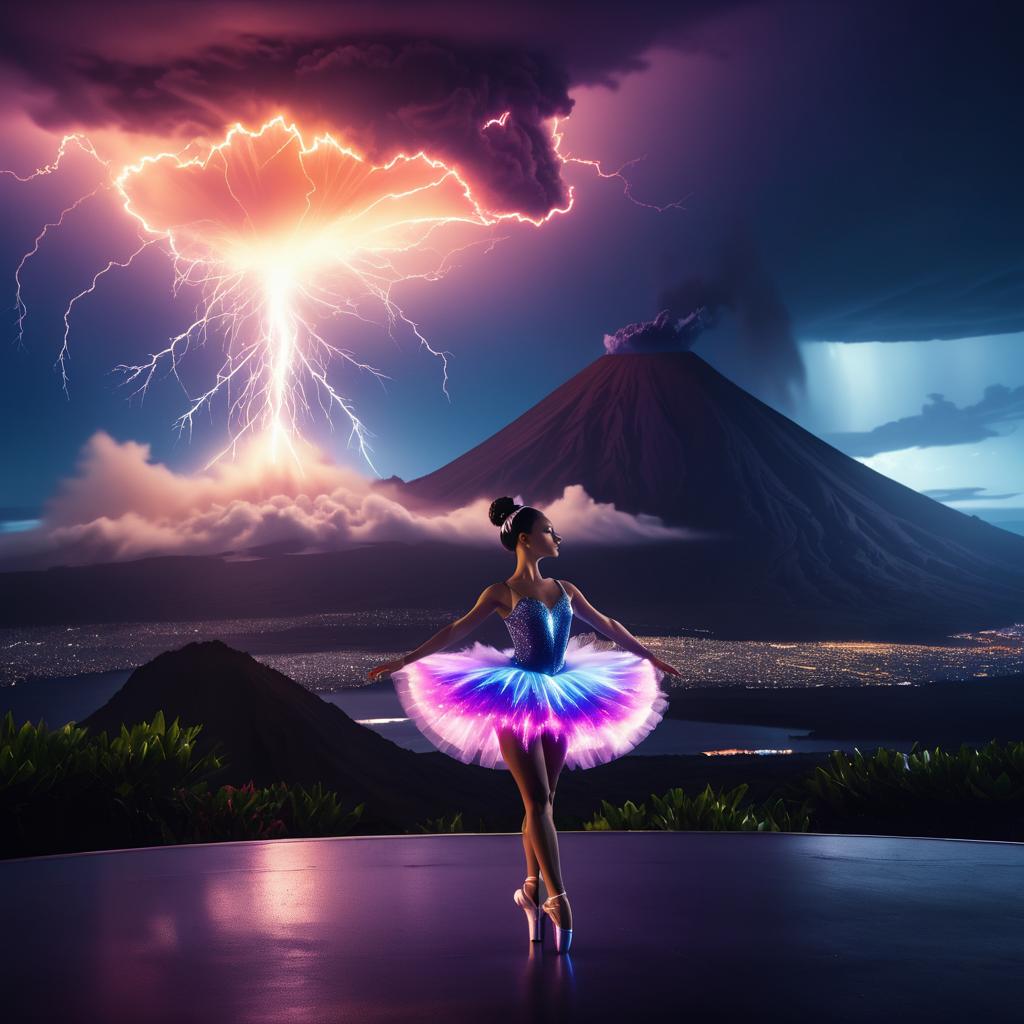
(529, 768)
(554, 758)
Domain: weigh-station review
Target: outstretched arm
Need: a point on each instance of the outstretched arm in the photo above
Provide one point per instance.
(611, 628)
(486, 603)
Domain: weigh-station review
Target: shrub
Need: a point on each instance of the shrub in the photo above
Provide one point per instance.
(708, 811)
(63, 790)
(273, 812)
(66, 790)
(971, 792)
(451, 823)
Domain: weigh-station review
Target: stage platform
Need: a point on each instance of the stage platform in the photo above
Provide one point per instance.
(691, 926)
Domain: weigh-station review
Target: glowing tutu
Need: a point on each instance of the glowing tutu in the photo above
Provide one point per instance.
(603, 701)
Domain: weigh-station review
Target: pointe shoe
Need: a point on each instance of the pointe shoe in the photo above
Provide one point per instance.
(563, 936)
(531, 909)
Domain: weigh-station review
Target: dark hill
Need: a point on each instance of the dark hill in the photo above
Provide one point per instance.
(273, 729)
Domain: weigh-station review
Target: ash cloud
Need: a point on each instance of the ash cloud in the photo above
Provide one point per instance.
(939, 423)
(665, 333)
(120, 506)
(742, 285)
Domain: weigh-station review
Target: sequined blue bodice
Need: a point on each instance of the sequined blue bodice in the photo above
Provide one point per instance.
(540, 634)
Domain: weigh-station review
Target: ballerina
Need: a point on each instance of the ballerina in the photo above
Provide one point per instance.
(550, 701)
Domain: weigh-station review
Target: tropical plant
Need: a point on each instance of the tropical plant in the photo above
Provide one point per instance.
(935, 792)
(67, 789)
(64, 790)
(449, 823)
(708, 811)
(271, 812)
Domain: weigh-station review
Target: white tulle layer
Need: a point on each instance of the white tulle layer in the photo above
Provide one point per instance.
(604, 701)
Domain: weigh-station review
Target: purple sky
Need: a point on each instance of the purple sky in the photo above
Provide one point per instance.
(851, 213)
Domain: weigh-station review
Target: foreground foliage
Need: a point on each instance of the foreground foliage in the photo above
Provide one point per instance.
(445, 823)
(64, 790)
(708, 811)
(968, 793)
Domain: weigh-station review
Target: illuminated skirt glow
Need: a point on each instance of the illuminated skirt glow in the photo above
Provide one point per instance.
(604, 701)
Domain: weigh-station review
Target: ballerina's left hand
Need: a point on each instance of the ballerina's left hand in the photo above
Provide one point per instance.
(664, 666)
(386, 669)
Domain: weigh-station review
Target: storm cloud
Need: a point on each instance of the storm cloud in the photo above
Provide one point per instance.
(967, 494)
(874, 146)
(412, 78)
(940, 422)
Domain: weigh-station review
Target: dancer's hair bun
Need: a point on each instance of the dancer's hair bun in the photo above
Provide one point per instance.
(501, 509)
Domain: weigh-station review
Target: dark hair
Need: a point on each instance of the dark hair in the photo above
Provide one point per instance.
(523, 519)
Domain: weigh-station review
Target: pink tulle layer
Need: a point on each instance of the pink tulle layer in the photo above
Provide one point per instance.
(604, 701)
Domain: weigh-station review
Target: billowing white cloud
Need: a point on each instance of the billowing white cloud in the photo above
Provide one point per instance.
(119, 506)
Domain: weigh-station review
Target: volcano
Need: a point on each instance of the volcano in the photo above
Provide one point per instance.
(797, 524)
(789, 538)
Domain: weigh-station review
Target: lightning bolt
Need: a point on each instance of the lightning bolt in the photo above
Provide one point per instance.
(266, 282)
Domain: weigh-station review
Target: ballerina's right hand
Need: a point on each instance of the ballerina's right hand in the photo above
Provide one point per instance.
(386, 669)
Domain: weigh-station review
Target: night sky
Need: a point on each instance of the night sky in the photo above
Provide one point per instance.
(850, 210)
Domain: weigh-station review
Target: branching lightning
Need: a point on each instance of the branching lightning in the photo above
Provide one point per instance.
(277, 235)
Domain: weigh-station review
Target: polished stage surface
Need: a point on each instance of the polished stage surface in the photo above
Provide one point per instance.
(673, 926)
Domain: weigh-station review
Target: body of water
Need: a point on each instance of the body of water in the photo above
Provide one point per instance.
(71, 699)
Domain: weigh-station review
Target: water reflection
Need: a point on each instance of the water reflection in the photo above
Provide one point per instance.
(547, 982)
